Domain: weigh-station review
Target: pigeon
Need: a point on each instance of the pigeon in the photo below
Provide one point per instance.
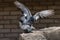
(27, 19)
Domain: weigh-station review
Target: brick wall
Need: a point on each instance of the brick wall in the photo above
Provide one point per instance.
(9, 16)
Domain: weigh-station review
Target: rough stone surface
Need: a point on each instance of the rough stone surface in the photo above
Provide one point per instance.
(36, 35)
(51, 33)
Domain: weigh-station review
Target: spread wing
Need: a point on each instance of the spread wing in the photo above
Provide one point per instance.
(24, 9)
(43, 14)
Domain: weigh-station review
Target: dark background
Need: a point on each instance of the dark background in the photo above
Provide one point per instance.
(9, 16)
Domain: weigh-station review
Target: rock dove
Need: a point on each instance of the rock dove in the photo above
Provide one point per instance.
(26, 20)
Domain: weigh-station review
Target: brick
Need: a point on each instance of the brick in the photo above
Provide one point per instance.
(40, 25)
(43, 3)
(4, 30)
(49, 3)
(4, 39)
(57, 16)
(13, 38)
(57, 12)
(10, 8)
(14, 21)
(1, 17)
(4, 4)
(1, 35)
(4, 22)
(39, 8)
(1, 9)
(16, 30)
(0, 0)
(1, 26)
(52, 25)
(4, 13)
(46, 20)
(11, 4)
(10, 17)
(11, 35)
(57, 20)
(46, 3)
(9, 0)
(57, 3)
(53, 7)
(31, 4)
(15, 12)
(10, 26)
(50, 0)
(54, 16)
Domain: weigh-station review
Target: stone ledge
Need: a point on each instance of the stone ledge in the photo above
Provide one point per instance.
(51, 33)
(36, 35)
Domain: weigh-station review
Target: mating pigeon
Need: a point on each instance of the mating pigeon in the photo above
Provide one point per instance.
(26, 20)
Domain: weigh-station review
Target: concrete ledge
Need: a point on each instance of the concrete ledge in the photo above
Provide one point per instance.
(51, 33)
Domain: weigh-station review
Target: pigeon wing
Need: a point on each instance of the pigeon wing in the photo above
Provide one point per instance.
(43, 14)
(25, 10)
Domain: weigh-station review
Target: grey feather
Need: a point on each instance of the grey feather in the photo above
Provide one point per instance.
(44, 13)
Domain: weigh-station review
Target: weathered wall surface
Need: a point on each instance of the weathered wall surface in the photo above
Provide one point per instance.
(9, 16)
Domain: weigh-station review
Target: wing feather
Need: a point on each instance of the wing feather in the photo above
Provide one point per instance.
(43, 14)
(25, 10)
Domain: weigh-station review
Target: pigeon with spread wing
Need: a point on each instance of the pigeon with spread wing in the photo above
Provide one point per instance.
(26, 20)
